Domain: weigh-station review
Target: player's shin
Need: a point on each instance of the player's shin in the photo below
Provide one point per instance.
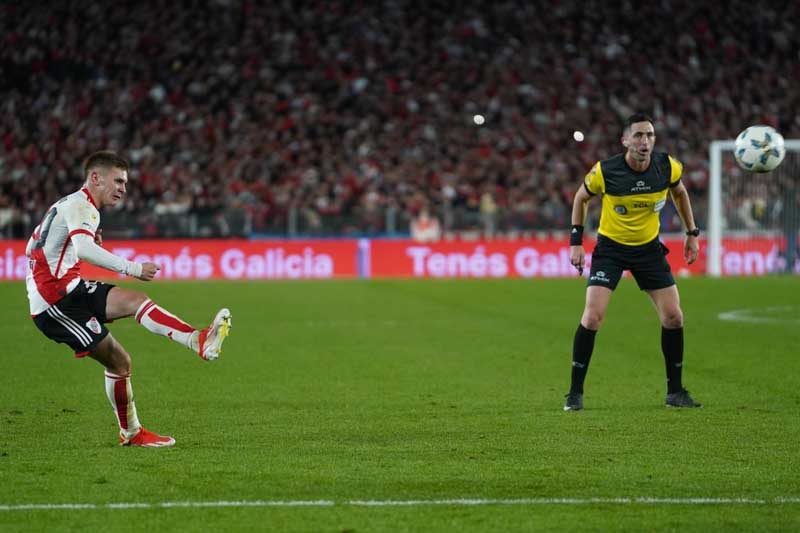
(582, 348)
(672, 347)
(120, 394)
(161, 322)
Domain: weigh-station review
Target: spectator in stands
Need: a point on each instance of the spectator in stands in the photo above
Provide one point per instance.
(262, 95)
(425, 227)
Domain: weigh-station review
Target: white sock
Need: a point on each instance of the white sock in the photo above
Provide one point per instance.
(120, 394)
(161, 322)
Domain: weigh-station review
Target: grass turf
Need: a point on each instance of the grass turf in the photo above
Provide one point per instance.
(413, 390)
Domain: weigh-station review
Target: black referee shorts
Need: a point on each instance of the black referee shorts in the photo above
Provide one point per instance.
(647, 263)
(79, 318)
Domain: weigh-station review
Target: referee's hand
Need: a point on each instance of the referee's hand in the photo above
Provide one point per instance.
(691, 249)
(577, 256)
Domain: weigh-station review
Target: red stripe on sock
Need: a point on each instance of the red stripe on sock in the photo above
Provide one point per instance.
(121, 399)
(201, 340)
(144, 310)
(165, 320)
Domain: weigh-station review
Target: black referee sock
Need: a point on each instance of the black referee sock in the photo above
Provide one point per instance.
(672, 346)
(582, 348)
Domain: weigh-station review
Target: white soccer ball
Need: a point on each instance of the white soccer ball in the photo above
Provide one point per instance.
(759, 149)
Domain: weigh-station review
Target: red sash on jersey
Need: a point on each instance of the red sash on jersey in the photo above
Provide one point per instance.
(51, 288)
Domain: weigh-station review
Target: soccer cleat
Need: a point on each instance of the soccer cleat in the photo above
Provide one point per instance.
(574, 401)
(210, 341)
(147, 439)
(681, 399)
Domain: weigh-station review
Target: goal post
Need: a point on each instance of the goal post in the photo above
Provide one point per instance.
(729, 184)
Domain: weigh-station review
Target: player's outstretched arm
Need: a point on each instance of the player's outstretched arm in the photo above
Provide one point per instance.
(87, 250)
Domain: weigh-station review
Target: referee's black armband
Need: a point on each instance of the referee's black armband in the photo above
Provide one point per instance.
(576, 235)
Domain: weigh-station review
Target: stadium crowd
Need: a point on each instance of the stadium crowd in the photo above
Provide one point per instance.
(243, 117)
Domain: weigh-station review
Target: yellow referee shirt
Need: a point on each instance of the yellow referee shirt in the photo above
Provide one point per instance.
(632, 200)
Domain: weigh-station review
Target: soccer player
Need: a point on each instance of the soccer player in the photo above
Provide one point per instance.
(73, 311)
(633, 187)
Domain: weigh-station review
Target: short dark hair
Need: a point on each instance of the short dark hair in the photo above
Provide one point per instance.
(104, 159)
(637, 117)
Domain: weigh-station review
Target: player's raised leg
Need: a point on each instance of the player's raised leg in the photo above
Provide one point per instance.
(207, 342)
(117, 362)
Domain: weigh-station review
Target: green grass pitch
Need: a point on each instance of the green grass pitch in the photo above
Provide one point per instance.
(422, 393)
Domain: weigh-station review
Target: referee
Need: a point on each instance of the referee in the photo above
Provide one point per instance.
(633, 187)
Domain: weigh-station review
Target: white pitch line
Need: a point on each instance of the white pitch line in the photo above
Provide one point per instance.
(402, 503)
(774, 315)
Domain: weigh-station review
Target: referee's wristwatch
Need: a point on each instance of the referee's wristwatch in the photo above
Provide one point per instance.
(693, 232)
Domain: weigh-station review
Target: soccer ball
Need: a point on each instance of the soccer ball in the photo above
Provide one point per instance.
(759, 149)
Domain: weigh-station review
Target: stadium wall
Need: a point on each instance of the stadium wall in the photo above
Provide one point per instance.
(378, 258)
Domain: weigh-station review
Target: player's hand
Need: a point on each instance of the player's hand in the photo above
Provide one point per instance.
(98, 237)
(691, 249)
(576, 256)
(149, 271)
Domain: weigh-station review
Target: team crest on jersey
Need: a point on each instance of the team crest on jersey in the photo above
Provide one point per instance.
(94, 326)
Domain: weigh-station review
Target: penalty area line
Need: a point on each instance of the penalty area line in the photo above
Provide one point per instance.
(400, 503)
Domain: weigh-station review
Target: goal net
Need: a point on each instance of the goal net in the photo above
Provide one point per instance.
(753, 219)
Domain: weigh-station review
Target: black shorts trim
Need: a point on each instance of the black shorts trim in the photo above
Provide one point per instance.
(647, 263)
(78, 320)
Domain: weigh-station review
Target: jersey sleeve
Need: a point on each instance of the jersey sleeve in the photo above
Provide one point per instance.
(594, 181)
(87, 250)
(81, 218)
(676, 171)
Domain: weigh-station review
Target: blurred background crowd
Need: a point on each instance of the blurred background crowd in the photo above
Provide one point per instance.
(351, 118)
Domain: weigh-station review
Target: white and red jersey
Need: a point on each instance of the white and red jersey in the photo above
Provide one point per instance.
(64, 237)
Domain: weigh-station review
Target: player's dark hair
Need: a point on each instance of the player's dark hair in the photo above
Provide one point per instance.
(637, 117)
(104, 159)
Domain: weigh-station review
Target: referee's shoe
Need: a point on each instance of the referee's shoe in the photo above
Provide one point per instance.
(574, 401)
(682, 398)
